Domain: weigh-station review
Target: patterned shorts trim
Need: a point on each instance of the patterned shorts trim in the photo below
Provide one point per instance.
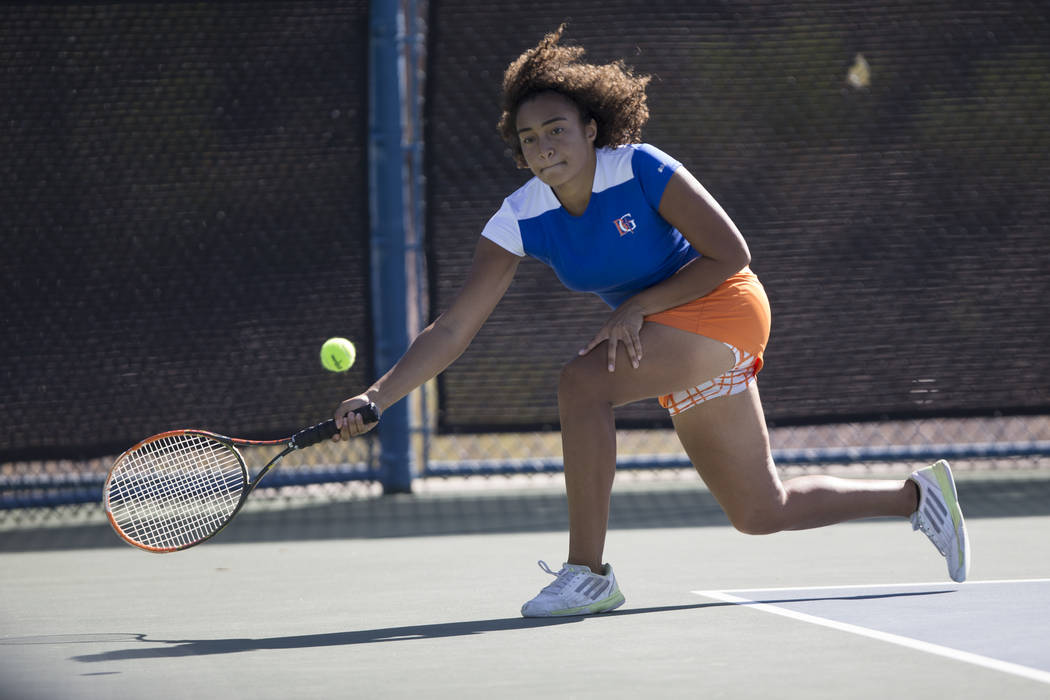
(738, 379)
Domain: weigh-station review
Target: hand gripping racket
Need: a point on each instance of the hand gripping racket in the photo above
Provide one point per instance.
(179, 488)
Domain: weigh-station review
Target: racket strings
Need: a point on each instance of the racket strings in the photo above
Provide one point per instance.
(176, 490)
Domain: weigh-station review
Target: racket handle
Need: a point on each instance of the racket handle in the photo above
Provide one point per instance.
(323, 431)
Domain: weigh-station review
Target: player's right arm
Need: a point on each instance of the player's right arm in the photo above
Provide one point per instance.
(444, 340)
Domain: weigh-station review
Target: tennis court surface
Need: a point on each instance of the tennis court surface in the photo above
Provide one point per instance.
(418, 596)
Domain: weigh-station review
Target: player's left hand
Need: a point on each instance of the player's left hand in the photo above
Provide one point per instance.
(624, 326)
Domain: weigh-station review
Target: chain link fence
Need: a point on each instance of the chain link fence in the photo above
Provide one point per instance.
(883, 160)
(185, 202)
(184, 197)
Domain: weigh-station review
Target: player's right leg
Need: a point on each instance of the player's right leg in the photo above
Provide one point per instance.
(587, 394)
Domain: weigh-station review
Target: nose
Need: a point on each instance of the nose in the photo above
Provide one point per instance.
(546, 150)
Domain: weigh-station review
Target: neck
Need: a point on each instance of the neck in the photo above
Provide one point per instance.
(575, 194)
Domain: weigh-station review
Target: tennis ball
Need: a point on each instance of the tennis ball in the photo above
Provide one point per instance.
(338, 354)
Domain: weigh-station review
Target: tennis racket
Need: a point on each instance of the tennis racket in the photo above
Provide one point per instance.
(180, 488)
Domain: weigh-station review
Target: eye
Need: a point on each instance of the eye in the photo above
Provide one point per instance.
(527, 139)
(558, 130)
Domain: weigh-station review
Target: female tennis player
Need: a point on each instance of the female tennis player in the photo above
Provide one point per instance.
(689, 324)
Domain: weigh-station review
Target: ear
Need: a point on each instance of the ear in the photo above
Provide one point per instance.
(590, 130)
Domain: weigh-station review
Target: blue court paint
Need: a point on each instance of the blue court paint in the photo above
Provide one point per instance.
(1002, 625)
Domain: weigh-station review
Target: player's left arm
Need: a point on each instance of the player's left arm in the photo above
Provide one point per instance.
(691, 209)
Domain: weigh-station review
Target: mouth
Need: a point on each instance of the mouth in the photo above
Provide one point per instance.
(550, 167)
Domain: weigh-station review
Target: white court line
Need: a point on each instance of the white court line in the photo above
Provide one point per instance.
(964, 656)
(881, 585)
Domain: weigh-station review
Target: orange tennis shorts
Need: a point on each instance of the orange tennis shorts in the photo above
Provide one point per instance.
(735, 313)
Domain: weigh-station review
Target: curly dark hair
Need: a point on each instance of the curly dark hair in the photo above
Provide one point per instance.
(611, 94)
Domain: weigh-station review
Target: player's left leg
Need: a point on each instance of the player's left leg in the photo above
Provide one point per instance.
(727, 441)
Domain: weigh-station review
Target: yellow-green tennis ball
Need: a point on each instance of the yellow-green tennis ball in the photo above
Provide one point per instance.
(338, 354)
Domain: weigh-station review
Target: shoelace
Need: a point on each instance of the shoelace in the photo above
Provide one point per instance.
(920, 523)
(561, 578)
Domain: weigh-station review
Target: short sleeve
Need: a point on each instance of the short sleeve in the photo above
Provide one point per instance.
(503, 230)
(654, 169)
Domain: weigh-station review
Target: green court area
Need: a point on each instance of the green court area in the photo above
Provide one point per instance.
(418, 596)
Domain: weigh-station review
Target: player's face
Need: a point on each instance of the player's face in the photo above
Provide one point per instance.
(557, 144)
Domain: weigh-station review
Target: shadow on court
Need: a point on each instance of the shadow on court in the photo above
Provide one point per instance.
(495, 513)
(207, 647)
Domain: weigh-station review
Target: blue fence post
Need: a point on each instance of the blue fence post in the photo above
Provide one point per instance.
(388, 231)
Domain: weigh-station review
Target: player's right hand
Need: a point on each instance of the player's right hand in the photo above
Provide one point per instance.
(351, 424)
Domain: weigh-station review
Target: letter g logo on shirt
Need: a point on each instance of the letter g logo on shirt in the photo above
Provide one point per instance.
(625, 224)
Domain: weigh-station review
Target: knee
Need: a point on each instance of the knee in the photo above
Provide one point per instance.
(756, 520)
(579, 379)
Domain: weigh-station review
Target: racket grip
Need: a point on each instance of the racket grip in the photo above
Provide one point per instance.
(323, 431)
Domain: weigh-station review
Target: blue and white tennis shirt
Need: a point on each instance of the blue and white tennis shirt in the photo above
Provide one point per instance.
(619, 246)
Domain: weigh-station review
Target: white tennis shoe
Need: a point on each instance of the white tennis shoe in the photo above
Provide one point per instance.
(575, 590)
(940, 518)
